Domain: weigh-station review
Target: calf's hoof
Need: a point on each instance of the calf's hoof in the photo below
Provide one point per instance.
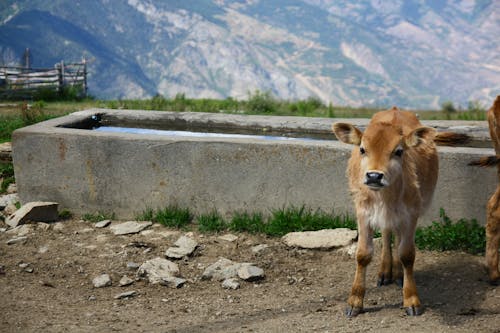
(384, 280)
(414, 310)
(353, 311)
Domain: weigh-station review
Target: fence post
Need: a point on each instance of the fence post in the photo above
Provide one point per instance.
(60, 76)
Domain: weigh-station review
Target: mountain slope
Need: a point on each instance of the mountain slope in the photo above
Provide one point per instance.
(409, 53)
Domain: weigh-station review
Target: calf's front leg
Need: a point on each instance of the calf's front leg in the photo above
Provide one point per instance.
(364, 254)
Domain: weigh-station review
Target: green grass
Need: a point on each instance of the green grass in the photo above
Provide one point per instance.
(252, 223)
(211, 222)
(16, 114)
(446, 235)
(292, 219)
(170, 216)
(443, 235)
(98, 216)
(7, 176)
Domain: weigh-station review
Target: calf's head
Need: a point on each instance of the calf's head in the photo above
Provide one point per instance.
(383, 149)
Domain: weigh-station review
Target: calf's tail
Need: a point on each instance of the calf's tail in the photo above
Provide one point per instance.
(487, 161)
(451, 139)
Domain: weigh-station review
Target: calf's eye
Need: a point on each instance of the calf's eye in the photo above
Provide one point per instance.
(398, 152)
(362, 150)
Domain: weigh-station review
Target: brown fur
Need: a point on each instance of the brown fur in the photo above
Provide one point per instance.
(493, 206)
(392, 174)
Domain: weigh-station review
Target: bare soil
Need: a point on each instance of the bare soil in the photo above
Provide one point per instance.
(303, 291)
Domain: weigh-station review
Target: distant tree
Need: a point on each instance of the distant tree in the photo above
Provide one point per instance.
(448, 107)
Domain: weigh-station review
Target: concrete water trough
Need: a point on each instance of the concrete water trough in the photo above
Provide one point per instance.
(88, 165)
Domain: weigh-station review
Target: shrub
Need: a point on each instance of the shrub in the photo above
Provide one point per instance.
(261, 102)
(445, 235)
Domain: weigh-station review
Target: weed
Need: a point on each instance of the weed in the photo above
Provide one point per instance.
(6, 176)
(291, 219)
(99, 216)
(65, 214)
(212, 222)
(146, 215)
(173, 216)
(245, 222)
(445, 235)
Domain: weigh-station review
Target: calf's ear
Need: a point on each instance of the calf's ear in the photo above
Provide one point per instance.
(347, 133)
(419, 135)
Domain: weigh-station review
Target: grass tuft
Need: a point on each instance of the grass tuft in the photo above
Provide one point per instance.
(444, 235)
(173, 216)
(99, 216)
(212, 222)
(6, 176)
(246, 222)
(292, 219)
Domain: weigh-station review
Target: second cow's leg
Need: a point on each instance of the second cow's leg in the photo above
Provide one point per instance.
(493, 237)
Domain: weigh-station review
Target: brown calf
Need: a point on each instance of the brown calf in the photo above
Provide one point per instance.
(493, 207)
(392, 176)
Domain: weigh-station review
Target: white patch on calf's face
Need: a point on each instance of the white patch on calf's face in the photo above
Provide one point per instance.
(391, 171)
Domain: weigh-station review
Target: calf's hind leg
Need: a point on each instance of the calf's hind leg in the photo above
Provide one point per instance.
(390, 266)
(385, 271)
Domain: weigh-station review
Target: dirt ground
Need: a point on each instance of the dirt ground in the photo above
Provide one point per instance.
(303, 291)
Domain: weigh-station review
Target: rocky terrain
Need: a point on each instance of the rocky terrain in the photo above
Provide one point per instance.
(134, 276)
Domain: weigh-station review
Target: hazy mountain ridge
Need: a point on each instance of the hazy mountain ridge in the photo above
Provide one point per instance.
(410, 53)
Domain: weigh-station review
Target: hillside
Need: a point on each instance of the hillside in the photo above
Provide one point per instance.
(414, 54)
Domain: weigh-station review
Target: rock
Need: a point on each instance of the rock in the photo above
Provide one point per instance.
(6, 152)
(125, 281)
(132, 266)
(59, 227)
(102, 224)
(228, 237)
(10, 209)
(259, 248)
(21, 230)
(17, 240)
(130, 227)
(101, 281)
(34, 211)
(250, 273)
(12, 188)
(173, 282)
(222, 269)
(231, 283)
(158, 270)
(5, 200)
(43, 249)
(126, 294)
(43, 226)
(2, 270)
(184, 246)
(322, 239)
(350, 249)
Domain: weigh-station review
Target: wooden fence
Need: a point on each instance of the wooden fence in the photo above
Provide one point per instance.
(21, 82)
